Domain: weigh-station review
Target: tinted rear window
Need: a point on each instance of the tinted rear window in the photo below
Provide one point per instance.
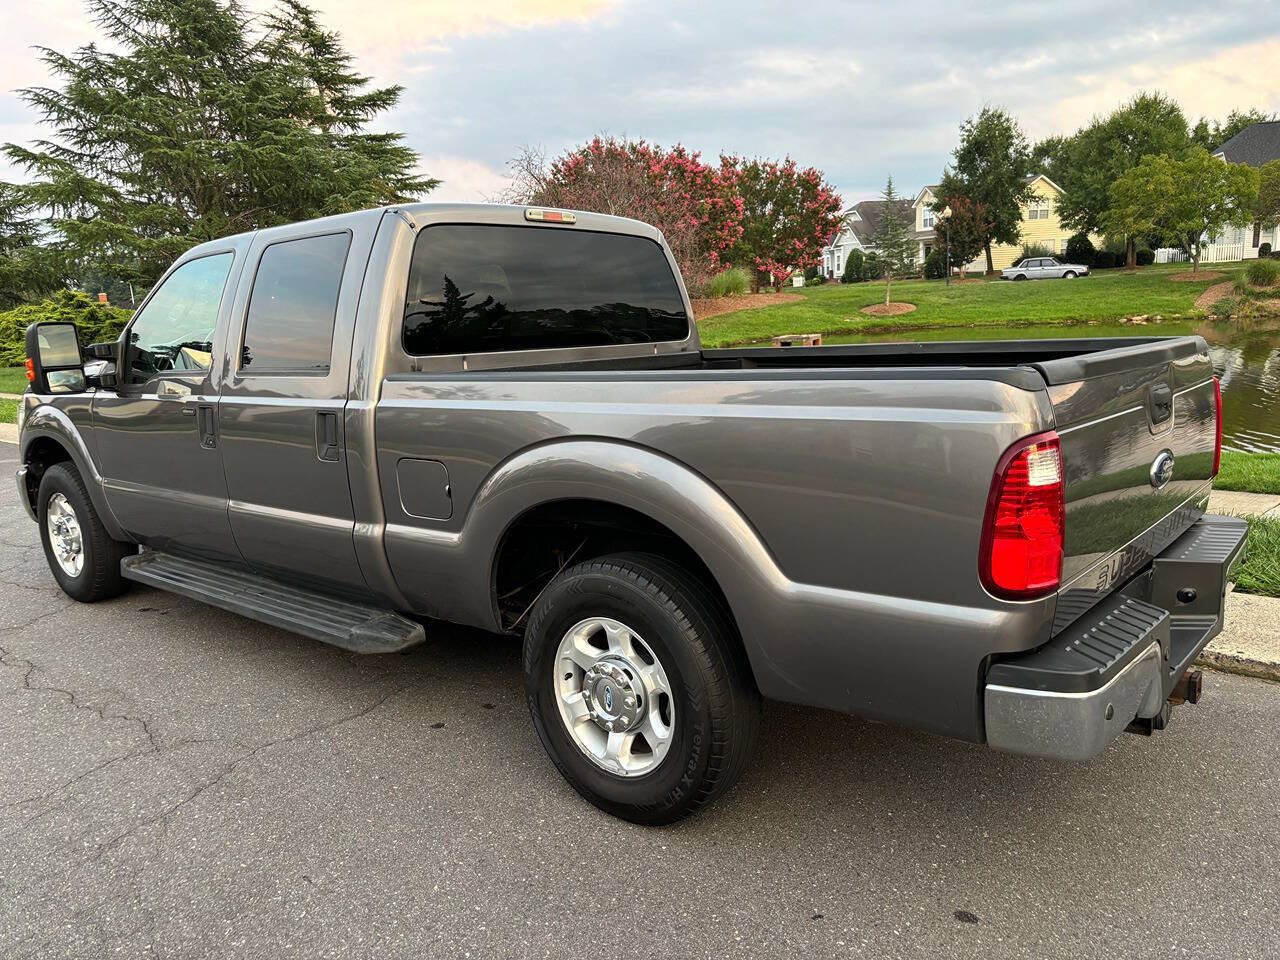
(479, 289)
(293, 304)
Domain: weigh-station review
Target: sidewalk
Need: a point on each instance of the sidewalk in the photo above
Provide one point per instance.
(1244, 504)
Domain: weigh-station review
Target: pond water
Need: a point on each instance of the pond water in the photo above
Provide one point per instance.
(1247, 361)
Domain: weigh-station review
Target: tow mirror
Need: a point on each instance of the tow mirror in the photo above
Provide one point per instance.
(54, 361)
(100, 370)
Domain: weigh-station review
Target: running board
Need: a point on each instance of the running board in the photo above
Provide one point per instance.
(352, 626)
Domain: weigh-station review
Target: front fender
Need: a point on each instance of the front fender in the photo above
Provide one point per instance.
(50, 423)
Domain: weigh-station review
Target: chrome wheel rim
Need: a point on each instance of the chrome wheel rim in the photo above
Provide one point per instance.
(64, 535)
(614, 697)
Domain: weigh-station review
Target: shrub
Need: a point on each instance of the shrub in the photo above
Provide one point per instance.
(1264, 250)
(1146, 257)
(1034, 250)
(1262, 273)
(1223, 309)
(1079, 249)
(729, 283)
(935, 264)
(96, 322)
(871, 268)
(853, 267)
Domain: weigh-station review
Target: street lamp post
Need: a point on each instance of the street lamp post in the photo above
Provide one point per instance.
(945, 217)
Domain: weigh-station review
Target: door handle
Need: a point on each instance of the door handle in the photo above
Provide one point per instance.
(327, 435)
(206, 423)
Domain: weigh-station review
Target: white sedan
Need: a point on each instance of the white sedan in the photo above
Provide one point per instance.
(1043, 268)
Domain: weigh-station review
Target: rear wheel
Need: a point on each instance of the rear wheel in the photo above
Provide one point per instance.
(81, 554)
(638, 687)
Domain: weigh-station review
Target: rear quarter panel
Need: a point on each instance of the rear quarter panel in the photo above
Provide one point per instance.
(867, 493)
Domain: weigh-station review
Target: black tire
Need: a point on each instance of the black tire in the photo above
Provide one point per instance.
(1069, 275)
(99, 578)
(716, 702)
(1021, 276)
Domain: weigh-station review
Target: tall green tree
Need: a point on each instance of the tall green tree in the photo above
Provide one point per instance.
(196, 120)
(1184, 200)
(28, 268)
(1101, 153)
(894, 244)
(1266, 211)
(991, 166)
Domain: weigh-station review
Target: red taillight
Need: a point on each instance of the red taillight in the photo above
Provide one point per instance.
(1024, 529)
(1217, 442)
(31, 369)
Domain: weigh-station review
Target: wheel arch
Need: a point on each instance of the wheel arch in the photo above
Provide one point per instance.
(50, 437)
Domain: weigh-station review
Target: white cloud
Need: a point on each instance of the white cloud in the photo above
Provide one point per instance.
(465, 180)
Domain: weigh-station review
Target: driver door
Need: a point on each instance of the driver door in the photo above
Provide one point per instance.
(157, 430)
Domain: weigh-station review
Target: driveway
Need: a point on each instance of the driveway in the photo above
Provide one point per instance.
(181, 782)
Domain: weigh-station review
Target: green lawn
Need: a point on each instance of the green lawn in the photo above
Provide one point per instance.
(1250, 472)
(1261, 570)
(13, 379)
(8, 410)
(834, 308)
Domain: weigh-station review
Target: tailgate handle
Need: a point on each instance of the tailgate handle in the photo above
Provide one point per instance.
(1161, 405)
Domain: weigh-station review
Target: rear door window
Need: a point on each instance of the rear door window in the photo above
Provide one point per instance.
(289, 326)
(479, 289)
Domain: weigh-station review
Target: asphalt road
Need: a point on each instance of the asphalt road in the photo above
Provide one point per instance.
(181, 782)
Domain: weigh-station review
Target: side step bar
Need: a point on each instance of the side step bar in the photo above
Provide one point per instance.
(352, 626)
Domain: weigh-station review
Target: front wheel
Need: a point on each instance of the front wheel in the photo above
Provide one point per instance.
(1069, 275)
(81, 554)
(638, 687)
(1021, 276)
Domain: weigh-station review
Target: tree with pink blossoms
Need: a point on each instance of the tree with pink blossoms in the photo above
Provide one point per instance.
(695, 205)
(789, 215)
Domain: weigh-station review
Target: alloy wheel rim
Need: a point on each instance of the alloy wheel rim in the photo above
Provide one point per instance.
(614, 697)
(65, 536)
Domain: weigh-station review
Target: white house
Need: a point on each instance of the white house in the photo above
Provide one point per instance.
(1256, 144)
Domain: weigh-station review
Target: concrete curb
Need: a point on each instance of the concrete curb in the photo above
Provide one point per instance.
(9, 432)
(1250, 642)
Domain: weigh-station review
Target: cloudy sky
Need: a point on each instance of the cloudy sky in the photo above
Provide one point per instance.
(859, 90)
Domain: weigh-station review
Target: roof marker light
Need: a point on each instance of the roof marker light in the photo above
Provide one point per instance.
(549, 216)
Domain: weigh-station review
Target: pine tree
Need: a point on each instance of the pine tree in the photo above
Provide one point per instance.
(27, 268)
(200, 122)
(892, 240)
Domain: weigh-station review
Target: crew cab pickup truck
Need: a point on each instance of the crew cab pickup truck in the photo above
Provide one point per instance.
(359, 426)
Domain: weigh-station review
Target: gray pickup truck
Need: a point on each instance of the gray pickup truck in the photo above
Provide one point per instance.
(502, 417)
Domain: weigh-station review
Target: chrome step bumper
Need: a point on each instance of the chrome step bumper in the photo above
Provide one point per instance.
(1077, 693)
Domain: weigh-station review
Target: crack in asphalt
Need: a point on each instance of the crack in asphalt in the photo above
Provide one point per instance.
(164, 816)
(8, 660)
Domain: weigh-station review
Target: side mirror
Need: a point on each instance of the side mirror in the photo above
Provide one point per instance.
(54, 362)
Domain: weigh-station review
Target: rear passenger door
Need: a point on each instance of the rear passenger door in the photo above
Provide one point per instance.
(283, 401)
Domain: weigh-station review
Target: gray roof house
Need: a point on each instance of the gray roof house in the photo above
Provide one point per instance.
(857, 232)
(1255, 145)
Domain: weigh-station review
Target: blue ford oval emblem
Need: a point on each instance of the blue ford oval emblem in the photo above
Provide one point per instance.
(1162, 469)
(608, 697)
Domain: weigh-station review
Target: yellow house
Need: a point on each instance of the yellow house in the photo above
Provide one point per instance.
(1040, 225)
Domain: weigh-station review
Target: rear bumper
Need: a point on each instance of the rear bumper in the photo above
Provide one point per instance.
(1076, 694)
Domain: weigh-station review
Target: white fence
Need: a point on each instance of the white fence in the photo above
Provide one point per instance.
(1213, 253)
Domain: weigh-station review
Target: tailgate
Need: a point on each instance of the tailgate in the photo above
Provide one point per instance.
(1123, 414)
